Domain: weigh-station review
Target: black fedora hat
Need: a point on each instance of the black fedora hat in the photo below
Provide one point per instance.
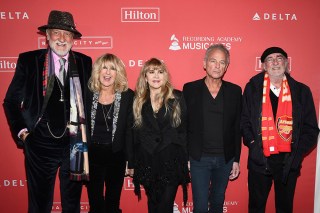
(61, 20)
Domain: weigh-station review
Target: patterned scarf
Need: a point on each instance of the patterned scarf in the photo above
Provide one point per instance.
(79, 165)
(276, 136)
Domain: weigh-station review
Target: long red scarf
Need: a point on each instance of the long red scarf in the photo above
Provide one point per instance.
(276, 135)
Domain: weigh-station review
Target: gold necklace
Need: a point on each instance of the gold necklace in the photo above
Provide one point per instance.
(107, 116)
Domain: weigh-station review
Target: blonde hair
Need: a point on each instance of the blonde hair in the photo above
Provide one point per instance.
(121, 81)
(142, 93)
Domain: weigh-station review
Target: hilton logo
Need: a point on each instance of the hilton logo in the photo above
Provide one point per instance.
(128, 184)
(140, 14)
(259, 64)
(8, 64)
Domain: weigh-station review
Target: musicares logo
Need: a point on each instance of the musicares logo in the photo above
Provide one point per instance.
(140, 14)
(86, 42)
(57, 208)
(190, 42)
(275, 17)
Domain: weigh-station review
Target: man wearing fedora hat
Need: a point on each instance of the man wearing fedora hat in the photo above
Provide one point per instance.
(45, 111)
(279, 127)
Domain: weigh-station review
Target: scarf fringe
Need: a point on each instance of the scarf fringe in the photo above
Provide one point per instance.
(79, 177)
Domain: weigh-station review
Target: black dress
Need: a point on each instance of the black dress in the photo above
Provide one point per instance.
(160, 152)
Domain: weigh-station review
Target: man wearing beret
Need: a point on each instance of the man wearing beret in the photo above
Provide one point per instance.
(279, 127)
(44, 109)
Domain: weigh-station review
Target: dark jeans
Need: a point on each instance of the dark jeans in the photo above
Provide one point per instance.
(209, 180)
(259, 188)
(43, 158)
(165, 204)
(107, 170)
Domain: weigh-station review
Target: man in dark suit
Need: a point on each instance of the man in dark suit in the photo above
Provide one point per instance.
(213, 132)
(44, 109)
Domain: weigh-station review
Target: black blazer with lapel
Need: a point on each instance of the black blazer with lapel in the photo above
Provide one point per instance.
(23, 102)
(193, 94)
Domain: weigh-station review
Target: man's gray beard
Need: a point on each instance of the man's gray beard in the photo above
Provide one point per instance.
(59, 52)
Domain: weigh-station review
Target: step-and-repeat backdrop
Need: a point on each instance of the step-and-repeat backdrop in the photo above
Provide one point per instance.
(177, 32)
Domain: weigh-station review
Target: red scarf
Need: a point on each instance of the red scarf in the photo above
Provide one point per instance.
(276, 136)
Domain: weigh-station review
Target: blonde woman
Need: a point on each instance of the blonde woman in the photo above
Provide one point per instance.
(159, 138)
(110, 143)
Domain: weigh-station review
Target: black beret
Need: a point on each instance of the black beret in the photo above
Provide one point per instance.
(271, 50)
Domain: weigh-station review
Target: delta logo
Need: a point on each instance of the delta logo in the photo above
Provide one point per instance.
(140, 14)
(13, 15)
(86, 42)
(275, 17)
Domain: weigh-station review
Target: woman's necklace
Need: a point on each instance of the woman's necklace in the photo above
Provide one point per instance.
(107, 115)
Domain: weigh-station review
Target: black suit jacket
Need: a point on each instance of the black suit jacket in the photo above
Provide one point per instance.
(304, 129)
(193, 94)
(24, 100)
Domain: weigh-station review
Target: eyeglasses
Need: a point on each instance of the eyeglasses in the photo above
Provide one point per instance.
(278, 59)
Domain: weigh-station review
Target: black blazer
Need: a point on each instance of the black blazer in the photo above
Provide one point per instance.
(193, 94)
(151, 137)
(123, 137)
(304, 130)
(24, 100)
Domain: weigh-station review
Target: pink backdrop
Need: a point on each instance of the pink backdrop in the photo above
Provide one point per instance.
(177, 32)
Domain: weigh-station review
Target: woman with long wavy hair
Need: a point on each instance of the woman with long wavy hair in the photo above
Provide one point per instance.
(161, 162)
(110, 138)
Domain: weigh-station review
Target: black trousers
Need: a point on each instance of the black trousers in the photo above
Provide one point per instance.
(107, 170)
(43, 157)
(166, 202)
(259, 188)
